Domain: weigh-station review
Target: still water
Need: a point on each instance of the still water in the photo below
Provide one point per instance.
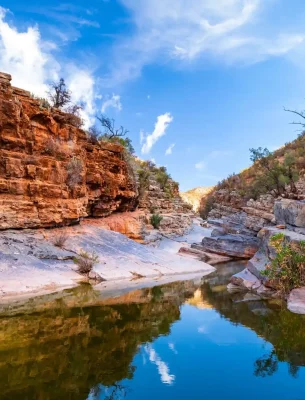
(184, 340)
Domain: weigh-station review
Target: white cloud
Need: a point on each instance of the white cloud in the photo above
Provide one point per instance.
(200, 165)
(81, 84)
(32, 64)
(173, 348)
(26, 57)
(162, 367)
(161, 125)
(114, 101)
(169, 150)
(229, 30)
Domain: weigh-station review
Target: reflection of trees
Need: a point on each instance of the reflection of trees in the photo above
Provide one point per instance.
(266, 365)
(283, 329)
(62, 352)
(116, 392)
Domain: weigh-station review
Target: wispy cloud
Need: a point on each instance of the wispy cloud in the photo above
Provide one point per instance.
(161, 125)
(173, 348)
(169, 150)
(112, 102)
(164, 372)
(188, 31)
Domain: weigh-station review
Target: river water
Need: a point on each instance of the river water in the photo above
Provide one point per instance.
(183, 340)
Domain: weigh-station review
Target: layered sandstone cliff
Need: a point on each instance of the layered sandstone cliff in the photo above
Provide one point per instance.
(50, 174)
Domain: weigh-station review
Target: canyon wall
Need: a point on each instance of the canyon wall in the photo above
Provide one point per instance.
(50, 173)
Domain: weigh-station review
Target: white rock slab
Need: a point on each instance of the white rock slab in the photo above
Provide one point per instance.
(296, 301)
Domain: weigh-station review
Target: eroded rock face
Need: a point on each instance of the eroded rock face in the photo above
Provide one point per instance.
(290, 212)
(235, 246)
(259, 262)
(50, 174)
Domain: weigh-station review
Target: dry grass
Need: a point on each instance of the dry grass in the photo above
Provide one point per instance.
(60, 240)
(52, 147)
(74, 171)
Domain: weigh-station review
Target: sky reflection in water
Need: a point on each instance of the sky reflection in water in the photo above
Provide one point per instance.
(182, 340)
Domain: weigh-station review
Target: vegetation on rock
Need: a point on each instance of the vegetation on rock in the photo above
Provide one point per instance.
(272, 172)
(287, 269)
(85, 262)
(155, 220)
(58, 94)
(60, 239)
(74, 172)
(148, 171)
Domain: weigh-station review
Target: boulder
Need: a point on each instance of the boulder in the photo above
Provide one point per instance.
(94, 276)
(266, 234)
(235, 246)
(291, 212)
(258, 263)
(246, 280)
(296, 301)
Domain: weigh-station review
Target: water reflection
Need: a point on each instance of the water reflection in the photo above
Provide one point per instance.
(79, 346)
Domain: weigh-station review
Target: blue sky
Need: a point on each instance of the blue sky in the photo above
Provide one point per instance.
(197, 82)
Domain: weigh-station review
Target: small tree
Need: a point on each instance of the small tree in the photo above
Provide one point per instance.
(110, 130)
(58, 94)
(272, 176)
(300, 114)
(291, 170)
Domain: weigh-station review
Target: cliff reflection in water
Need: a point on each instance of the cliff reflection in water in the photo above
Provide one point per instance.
(79, 346)
(64, 352)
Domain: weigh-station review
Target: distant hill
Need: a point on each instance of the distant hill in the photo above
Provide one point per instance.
(194, 196)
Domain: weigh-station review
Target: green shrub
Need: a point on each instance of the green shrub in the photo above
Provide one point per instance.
(155, 220)
(85, 262)
(144, 178)
(162, 177)
(287, 270)
(207, 207)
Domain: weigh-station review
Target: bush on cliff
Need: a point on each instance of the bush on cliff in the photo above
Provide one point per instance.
(155, 220)
(74, 172)
(287, 270)
(208, 206)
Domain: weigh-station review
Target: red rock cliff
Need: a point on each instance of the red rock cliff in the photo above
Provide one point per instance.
(50, 174)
